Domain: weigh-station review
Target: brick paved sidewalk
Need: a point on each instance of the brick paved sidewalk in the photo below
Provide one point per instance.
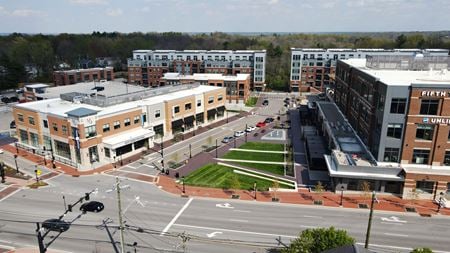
(386, 203)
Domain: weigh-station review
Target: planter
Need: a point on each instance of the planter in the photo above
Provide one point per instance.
(363, 206)
(318, 202)
(275, 200)
(410, 209)
(235, 196)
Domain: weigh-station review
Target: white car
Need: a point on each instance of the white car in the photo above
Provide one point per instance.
(238, 133)
(250, 128)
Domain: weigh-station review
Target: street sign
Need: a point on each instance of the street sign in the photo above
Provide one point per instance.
(38, 172)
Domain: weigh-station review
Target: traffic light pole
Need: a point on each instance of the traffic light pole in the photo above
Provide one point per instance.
(369, 225)
(119, 204)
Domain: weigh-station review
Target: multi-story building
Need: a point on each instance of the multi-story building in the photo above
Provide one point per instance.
(400, 108)
(313, 69)
(66, 77)
(147, 67)
(237, 86)
(88, 130)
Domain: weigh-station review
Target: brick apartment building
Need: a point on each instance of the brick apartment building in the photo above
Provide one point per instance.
(400, 108)
(66, 77)
(147, 67)
(87, 131)
(312, 69)
(237, 86)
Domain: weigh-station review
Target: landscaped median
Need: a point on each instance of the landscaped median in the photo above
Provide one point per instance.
(221, 176)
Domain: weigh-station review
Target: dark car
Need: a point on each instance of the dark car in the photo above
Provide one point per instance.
(265, 102)
(92, 206)
(12, 124)
(269, 120)
(56, 225)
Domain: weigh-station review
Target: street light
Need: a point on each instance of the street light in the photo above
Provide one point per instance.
(441, 195)
(15, 161)
(254, 188)
(369, 225)
(342, 194)
(246, 133)
(190, 151)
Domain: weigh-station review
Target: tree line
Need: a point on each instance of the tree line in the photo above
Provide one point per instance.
(20, 53)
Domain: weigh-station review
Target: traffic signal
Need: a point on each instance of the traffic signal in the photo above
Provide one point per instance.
(86, 196)
(15, 156)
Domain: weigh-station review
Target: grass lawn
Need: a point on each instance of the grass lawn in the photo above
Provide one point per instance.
(255, 156)
(216, 176)
(263, 146)
(251, 101)
(272, 168)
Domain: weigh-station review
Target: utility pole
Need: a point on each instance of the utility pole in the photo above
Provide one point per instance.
(216, 148)
(369, 225)
(119, 204)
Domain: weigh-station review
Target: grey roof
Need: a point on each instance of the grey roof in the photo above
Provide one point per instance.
(81, 112)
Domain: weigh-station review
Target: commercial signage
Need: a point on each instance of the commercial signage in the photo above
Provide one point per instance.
(436, 121)
(435, 93)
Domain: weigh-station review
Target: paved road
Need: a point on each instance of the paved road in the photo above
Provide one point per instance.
(237, 226)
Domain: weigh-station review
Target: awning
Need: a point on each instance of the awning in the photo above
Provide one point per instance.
(221, 108)
(177, 123)
(189, 119)
(212, 112)
(127, 137)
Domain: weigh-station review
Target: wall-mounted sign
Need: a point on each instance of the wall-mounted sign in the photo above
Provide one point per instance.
(436, 121)
(435, 93)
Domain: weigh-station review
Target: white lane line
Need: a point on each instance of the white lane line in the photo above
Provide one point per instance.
(398, 235)
(129, 166)
(176, 216)
(312, 216)
(242, 211)
(390, 223)
(234, 231)
(307, 226)
(236, 220)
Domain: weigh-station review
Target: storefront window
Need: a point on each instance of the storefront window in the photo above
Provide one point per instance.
(424, 186)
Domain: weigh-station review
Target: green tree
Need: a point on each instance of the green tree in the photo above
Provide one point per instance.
(318, 240)
(422, 250)
(319, 187)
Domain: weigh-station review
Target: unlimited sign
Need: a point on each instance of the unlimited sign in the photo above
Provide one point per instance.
(436, 120)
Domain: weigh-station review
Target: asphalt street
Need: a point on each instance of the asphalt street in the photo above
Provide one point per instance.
(163, 219)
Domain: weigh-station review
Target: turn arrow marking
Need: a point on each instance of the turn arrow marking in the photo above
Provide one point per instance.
(213, 234)
(225, 205)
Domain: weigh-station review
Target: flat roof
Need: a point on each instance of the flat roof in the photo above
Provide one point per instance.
(83, 70)
(206, 76)
(60, 107)
(402, 77)
(111, 88)
(199, 51)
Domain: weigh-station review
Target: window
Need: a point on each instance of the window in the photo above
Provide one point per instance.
(447, 158)
(210, 100)
(219, 98)
(420, 156)
(187, 106)
(20, 117)
(429, 106)
(34, 140)
(157, 113)
(425, 186)
(424, 132)
(107, 152)
(395, 130)
(398, 105)
(31, 120)
(55, 127)
(45, 123)
(391, 154)
(127, 122)
(90, 131)
(116, 124)
(136, 119)
(106, 127)
(144, 118)
(199, 102)
(176, 109)
(64, 129)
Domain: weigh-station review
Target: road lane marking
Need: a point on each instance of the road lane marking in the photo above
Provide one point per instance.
(307, 226)
(213, 234)
(234, 231)
(312, 216)
(237, 220)
(389, 223)
(176, 216)
(393, 219)
(242, 211)
(398, 235)
(225, 205)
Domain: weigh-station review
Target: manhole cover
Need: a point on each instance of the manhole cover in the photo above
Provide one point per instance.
(410, 209)
(364, 206)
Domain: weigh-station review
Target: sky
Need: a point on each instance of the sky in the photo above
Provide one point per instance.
(86, 16)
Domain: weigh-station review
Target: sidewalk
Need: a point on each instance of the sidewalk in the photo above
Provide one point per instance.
(386, 203)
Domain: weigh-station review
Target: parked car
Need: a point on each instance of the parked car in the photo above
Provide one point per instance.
(261, 124)
(92, 206)
(227, 139)
(269, 120)
(250, 128)
(238, 133)
(56, 225)
(12, 124)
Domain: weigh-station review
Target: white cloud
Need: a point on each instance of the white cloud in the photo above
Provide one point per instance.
(114, 12)
(89, 2)
(25, 13)
(272, 2)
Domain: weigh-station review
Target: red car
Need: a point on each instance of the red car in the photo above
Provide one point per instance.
(261, 124)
